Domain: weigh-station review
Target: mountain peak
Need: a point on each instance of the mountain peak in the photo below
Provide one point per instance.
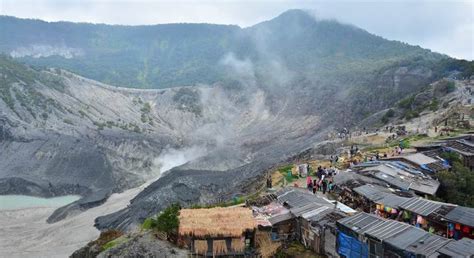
(293, 15)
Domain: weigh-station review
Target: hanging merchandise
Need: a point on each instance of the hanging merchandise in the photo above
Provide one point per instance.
(457, 235)
(458, 226)
(466, 229)
(450, 226)
(406, 215)
(394, 211)
(450, 233)
(431, 229)
(420, 220)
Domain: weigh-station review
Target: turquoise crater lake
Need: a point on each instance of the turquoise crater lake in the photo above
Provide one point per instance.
(13, 202)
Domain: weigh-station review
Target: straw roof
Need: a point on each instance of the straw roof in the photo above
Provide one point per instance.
(214, 222)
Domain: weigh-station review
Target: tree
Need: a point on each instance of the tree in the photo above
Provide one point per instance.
(456, 185)
(167, 221)
(386, 117)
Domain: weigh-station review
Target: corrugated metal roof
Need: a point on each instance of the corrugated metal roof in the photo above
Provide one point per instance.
(427, 245)
(391, 176)
(407, 237)
(392, 200)
(463, 215)
(387, 229)
(361, 222)
(299, 211)
(419, 159)
(371, 192)
(328, 215)
(421, 206)
(463, 147)
(404, 185)
(279, 218)
(428, 186)
(460, 248)
(315, 212)
(295, 198)
(345, 177)
(380, 195)
(400, 235)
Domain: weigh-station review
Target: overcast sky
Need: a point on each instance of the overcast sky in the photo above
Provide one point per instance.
(445, 26)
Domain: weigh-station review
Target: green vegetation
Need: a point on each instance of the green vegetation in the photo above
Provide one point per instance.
(185, 54)
(407, 102)
(451, 87)
(114, 242)
(286, 172)
(136, 129)
(83, 114)
(410, 110)
(110, 124)
(17, 82)
(100, 125)
(167, 221)
(404, 144)
(434, 105)
(465, 67)
(109, 245)
(410, 114)
(188, 99)
(109, 239)
(297, 249)
(386, 117)
(451, 157)
(149, 223)
(146, 108)
(456, 185)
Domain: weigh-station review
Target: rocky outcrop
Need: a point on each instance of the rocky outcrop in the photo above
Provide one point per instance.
(144, 245)
(138, 244)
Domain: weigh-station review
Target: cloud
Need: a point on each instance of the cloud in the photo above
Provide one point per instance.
(430, 24)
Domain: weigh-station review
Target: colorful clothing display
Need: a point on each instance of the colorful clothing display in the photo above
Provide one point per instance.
(420, 220)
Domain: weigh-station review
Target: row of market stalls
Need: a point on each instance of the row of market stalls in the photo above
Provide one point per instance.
(444, 219)
(391, 188)
(258, 230)
(395, 221)
(414, 171)
(298, 215)
(326, 227)
(367, 235)
(463, 145)
(402, 175)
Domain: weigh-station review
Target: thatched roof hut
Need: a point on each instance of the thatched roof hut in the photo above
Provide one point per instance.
(216, 222)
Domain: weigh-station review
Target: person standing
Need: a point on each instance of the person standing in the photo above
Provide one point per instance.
(330, 185)
(309, 182)
(325, 186)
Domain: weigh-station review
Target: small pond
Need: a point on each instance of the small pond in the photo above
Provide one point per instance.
(13, 202)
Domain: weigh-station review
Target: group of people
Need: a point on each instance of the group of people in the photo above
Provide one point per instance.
(353, 151)
(323, 181)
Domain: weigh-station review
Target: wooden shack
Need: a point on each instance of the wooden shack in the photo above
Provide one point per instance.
(218, 231)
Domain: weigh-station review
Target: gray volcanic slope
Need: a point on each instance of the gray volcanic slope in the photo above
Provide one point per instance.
(62, 134)
(274, 89)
